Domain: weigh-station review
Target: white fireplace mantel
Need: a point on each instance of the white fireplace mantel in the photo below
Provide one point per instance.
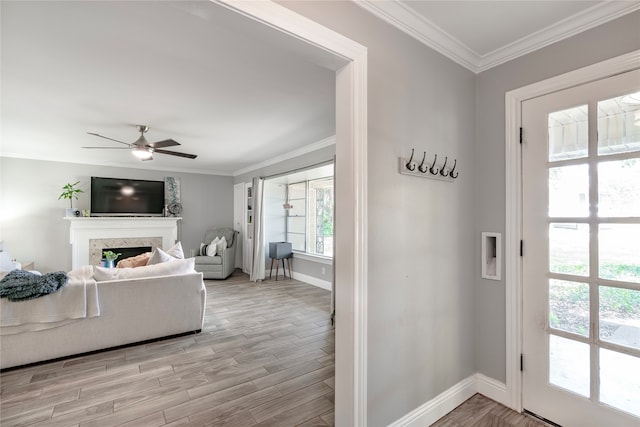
(82, 230)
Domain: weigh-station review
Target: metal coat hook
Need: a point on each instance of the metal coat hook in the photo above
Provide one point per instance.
(410, 166)
(443, 171)
(426, 169)
(422, 163)
(433, 169)
(455, 161)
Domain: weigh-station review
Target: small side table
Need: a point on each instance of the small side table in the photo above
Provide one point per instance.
(284, 269)
(280, 251)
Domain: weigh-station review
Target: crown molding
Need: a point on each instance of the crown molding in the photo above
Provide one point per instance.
(403, 17)
(417, 26)
(568, 27)
(290, 155)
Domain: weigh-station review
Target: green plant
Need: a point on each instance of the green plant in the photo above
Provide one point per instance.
(110, 255)
(69, 191)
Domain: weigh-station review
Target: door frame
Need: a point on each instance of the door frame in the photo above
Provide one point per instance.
(350, 266)
(513, 189)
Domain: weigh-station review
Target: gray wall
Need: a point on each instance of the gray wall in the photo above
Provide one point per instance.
(607, 41)
(421, 283)
(32, 224)
(306, 267)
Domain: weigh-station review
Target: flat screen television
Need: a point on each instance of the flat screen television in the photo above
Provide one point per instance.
(126, 197)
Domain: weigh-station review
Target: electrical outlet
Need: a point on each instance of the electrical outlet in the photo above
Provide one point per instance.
(324, 271)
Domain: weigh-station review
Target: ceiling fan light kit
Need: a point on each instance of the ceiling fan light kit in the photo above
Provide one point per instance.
(144, 150)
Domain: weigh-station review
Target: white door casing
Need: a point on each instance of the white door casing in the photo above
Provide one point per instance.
(350, 200)
(513, 208)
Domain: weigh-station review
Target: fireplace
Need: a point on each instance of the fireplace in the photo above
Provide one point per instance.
(123, 245)
(90, 236)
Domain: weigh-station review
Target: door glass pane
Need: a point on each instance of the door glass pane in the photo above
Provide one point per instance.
(619, 252)
(569, 191)
(619, 188)
(569, 306)
(569, 364)
(620, 316)
(569, 248)
(568, 133)
(620, 381)
(619, 124)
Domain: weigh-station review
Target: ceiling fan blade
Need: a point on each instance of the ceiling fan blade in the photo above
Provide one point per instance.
(164, 143)
(110, 148)
(175, 153)
(110, 139)
(144, 160)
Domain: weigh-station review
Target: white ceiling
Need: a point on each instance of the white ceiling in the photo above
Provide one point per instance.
(232, 91)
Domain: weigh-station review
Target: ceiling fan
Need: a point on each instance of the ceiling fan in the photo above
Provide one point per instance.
(143, 149)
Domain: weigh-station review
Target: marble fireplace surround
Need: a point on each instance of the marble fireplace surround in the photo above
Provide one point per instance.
(89, 236)
(96, 246)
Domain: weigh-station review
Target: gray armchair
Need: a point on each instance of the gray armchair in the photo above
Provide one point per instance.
(222, 265)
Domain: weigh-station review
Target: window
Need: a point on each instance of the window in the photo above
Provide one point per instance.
(310, 216)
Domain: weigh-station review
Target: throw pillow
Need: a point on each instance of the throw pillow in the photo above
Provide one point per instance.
(203, 249)
(222, 245)
(169, 268)
(176, 251)
(212, 249)
(134, 261)
(159, 256)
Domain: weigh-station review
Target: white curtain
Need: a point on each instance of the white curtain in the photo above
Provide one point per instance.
(257, 267)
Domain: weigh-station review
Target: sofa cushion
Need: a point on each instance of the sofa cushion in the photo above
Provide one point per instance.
(176, 251)
(178, 266)
(134, 261)
(159, 256)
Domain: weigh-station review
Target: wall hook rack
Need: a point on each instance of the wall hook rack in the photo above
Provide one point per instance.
(426, 170)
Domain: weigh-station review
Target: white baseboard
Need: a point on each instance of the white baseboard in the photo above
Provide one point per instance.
(440, 406)
(431, 411)
(493, 389)
(326, 285)
(312, 281)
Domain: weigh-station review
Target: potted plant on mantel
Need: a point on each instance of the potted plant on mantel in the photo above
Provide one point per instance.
(70, 191)
(109, 258)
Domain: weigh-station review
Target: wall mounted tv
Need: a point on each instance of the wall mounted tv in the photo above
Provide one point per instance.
(126, 197)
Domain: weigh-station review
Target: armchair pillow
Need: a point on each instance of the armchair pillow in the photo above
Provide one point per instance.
(212, 249)
(221, 245)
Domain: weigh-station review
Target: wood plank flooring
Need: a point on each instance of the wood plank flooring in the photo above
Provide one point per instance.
(265, 357)
(480, 411)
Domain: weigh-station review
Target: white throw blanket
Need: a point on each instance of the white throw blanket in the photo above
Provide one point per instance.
(78, 299)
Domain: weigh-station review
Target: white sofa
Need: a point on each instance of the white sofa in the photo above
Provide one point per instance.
(131, 311)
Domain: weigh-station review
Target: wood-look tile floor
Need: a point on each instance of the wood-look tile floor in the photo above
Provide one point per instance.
(265, 357)
(480, 411)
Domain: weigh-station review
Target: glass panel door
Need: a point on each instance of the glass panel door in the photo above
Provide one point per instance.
(581, 265)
